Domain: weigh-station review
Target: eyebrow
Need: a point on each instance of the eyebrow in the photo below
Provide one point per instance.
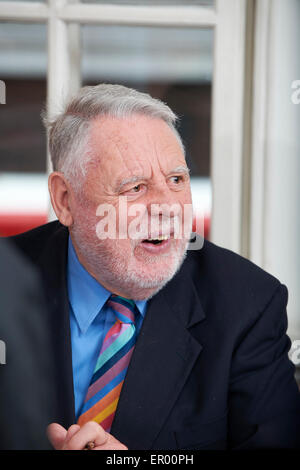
(181, 169)
(134, 179)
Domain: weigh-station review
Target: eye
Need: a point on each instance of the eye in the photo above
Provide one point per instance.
(137, 189)
(178, 182)
(177, 179)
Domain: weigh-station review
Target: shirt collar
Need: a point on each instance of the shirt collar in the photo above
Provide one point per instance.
(87, 296)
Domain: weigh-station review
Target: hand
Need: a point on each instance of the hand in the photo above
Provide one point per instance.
(76, 437)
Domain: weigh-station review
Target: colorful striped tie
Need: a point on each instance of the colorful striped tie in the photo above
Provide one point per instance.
(104, 391)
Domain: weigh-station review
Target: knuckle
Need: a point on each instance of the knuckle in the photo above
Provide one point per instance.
(92, 425)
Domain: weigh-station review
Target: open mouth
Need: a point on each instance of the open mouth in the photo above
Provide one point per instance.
(157, 245)
(156, 241)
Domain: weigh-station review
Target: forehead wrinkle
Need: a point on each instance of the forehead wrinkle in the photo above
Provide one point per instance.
(123, 147)
(133, 166)
(161, 148)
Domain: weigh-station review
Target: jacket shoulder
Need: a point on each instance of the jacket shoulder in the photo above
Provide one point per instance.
(231, 266)
(33, 242)
(231, 281)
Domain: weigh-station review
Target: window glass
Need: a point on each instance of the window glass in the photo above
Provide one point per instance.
(23, 178)
(172, 64)
(26, 1)
(204, 3)
(23, 62)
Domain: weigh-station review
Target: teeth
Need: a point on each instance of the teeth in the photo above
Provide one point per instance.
(162, 237)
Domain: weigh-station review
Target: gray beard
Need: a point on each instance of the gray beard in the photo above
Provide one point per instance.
(117, 272)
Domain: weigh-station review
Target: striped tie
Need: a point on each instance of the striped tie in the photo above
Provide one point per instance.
(104, 391)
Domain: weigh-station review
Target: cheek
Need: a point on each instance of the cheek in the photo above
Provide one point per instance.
(185, 199)
(187, 196)
(132, 221)
(118, 252)
(184, 196)
(85, 223)
(187, 213)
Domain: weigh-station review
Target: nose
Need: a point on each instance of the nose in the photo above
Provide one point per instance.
(163, 201)
(165, 209)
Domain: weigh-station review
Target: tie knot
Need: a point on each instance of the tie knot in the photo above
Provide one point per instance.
(124, 309)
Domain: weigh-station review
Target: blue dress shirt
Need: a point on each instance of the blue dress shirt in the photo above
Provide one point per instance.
(90, 319)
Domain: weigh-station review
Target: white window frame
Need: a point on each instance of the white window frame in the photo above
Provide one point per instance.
(227, 18)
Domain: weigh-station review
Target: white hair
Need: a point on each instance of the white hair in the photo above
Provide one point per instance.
(69, 131)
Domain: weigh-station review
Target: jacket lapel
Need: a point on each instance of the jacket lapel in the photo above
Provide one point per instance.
(161, 363)
(53, 263)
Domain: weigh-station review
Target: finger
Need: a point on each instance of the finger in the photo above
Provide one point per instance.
(89, 432)
(56, 435)
(72, 431)
(113, 444)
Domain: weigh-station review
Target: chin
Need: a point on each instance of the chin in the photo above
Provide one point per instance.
(143, 292)
(143, 283)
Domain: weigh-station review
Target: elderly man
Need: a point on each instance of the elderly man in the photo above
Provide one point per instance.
(156, 346)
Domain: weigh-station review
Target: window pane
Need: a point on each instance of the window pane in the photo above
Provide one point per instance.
(23, 62)
(23, 179)
(39, 1)
(204, 3)
(173, 64)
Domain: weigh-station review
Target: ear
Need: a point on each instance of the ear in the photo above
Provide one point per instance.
(60, 193)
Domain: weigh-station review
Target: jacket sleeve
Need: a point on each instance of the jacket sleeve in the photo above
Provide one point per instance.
(264, 399)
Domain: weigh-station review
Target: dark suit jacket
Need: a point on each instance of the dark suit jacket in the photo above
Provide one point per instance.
(26, 378)
(210, 369)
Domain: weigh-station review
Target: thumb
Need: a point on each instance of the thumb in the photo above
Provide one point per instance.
(56, 435)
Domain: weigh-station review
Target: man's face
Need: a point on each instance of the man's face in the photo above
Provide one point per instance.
(136, 161)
